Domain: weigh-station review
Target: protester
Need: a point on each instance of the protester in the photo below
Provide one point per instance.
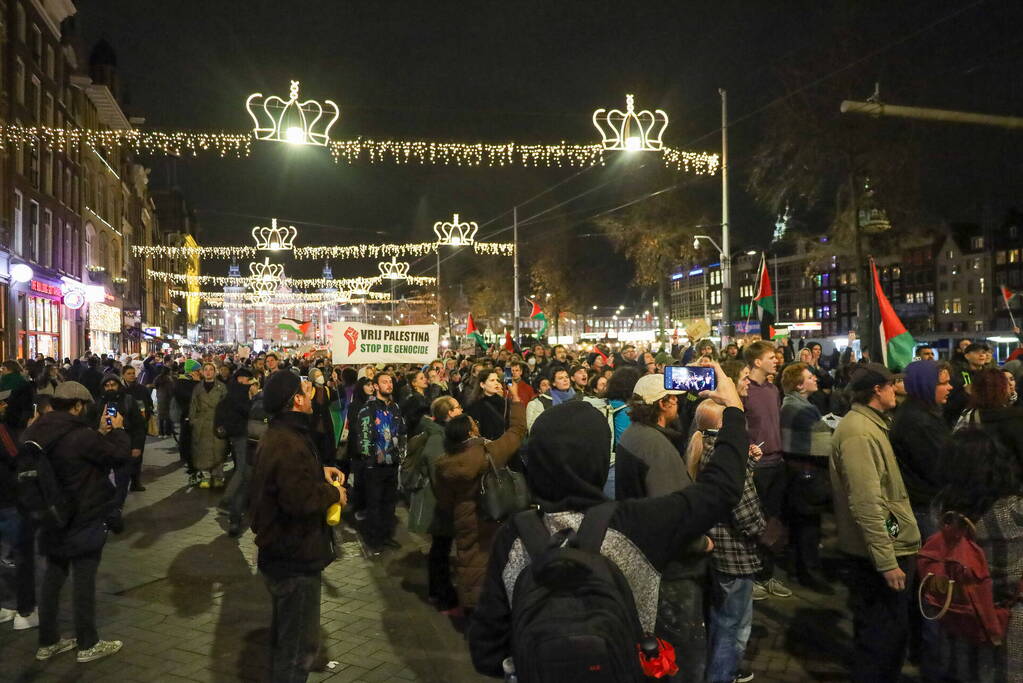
(876, 527)
(975, 357)
(82, 453)
(989, 408)
(143, 397)
(164, 384)
(763, 417)
(487, 405)
(322, 421)
(114, 398)
(560, 392)
(566, 475)
(519, 372)
(985, 484)
(382, 440)
(184, 387)
(467, 455)
(292, 493)
(17, 532)
(235, 409)
(415, 404)
(425, 516)
(619, 391)
(209, 450)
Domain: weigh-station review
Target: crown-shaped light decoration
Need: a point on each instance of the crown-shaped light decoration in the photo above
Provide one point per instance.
(274, 238)
(291, 120)
(266, 276)
(630, 130)
(393, 269)
(455, 233)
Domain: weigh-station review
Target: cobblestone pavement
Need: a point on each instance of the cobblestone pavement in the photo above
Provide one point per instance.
(188, 604)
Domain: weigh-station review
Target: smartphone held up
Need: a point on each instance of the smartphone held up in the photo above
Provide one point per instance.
(692, 379)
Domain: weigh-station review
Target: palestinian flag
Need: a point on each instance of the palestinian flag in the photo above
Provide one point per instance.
(474, 334)
(297, 326)
(765, 302)
(1007, 295)
(537, 314)
(897, 344)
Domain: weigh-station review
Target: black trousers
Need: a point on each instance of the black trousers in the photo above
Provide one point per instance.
(295, 626)
(83, 598)
(381, 491)
(438, 573)
(770, 484)
(185, 445)
(880, 621)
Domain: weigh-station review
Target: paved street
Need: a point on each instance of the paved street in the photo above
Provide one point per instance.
(187, 602)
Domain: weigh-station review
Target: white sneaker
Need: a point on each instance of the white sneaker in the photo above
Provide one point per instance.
(777, 588)
(101, 649)
(62, 645)
(23, 623)
(7, 614)
(759, 592)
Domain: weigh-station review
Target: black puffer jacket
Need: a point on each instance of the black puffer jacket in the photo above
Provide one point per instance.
(235, 409)
(82, 459)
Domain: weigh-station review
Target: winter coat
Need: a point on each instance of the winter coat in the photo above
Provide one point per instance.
(236, 410)
(82, 459)
(423, 513)
(489, 413)
(457, 487)
(803, 432)
(208, 451)
(184, 387)
(290, 499)
(164, 393)
(872, 510)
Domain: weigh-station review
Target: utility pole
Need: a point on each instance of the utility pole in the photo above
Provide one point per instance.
(726, 252)
(515, 266)
(923, 113)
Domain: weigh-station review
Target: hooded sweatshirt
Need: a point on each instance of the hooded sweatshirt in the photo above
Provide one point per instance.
(568, 464)
(920, 436)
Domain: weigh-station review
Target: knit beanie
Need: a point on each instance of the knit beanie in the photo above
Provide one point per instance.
(191, 365)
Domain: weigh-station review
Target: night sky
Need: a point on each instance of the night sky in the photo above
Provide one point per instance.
(534, 72)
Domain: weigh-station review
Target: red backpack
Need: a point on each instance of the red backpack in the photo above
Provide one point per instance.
(955, 584)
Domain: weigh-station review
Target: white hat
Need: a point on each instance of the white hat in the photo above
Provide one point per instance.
(651, 389)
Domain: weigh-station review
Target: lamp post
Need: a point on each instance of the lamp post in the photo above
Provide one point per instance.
(726, 259)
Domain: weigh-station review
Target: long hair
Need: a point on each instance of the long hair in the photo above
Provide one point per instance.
(456, 433)
(979, 470)
(990, 389)
(708, 416)
(475, 392)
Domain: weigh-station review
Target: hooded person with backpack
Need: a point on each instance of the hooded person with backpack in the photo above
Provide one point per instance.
(79, 458)
(561, 607)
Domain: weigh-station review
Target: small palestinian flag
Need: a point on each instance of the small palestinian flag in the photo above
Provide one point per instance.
(1007, 295)
(297, 326)
(897, 345)
(474, 334)
(765, 302)
(537, 314)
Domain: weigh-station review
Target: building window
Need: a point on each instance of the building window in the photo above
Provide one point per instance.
(955, 268)
(1013, 232)
(33, 164)
(1014, 256)
(1000, 258)
(19, 80)
(58, 245)
(35, 94)
(37, 45)
(33, 231)
(930, 298)
(18, 221)
(957, 305)
(977, 243)
(980, 282)
(72, 256)
(51, 63)
(19, 22)
(950, 254)
(48, 110)
(46, 247)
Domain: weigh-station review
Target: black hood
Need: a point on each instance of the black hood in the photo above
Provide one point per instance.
(569, 456)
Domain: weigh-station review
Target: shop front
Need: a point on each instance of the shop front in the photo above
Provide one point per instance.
(39, 318)
(104, 328)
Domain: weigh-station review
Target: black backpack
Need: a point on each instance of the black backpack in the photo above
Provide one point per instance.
(573, 614)
(40, 496)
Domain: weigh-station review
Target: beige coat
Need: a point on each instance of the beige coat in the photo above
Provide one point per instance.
(869, 493)
(207, 450)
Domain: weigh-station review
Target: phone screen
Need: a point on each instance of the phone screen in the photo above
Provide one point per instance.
(689, 378)
(111, 409)
(507, 376)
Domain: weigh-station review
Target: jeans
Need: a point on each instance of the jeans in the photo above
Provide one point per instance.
(237, 494)
(295, 626)
(19, 532)
(439, 573)
(83, 598)
(880, 620)
(381, 487)
(731, 618)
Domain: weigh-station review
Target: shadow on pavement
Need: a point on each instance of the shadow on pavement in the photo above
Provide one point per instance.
(173, 513)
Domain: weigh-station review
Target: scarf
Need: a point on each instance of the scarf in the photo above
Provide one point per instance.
(558, 396)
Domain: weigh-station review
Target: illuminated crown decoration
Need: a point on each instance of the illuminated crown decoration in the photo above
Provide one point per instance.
(393, 269)
(266, 276)
(274, 238)
(291, 120)
(630, 130)
(455, 233)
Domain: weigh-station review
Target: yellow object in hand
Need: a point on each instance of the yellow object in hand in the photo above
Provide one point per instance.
(334, 511)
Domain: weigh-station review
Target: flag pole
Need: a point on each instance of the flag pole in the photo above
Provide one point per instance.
(1012, 318)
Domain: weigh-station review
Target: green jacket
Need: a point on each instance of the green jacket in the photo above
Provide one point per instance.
(872, 510)
(424, 517)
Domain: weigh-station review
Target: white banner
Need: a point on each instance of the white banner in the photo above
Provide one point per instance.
(360, 343)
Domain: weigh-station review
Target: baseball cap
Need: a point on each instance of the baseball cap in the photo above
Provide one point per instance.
(870, 375)
(977, 346)
(73, 391)
(651, 389)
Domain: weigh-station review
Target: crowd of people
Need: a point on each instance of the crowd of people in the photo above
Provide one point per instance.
(718, 497)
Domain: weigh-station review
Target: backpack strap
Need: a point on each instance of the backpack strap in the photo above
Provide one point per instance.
(593, 528)
(533, 532)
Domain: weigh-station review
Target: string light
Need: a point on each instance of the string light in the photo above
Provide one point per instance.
(333, 296)
(393, 269)
(295, 123)
(274, 238)
(364, 283)
(630, 130)
(349, 251)
(455, 233)
(422, 152)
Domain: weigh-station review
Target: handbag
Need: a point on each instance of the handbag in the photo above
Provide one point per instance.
(503, 492)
